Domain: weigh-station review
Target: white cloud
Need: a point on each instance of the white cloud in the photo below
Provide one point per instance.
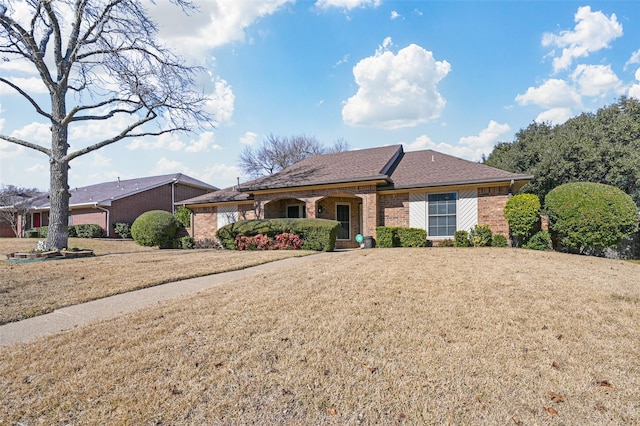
(593, 31)
(31, 85)
(218, 22)
(484, 142)
(554, 116)
(634, 90)
(395, 15)
(469, 147)
(553, 93)
(166, 166)
(249, 138)
(38, 133)
(342, 60)
(347, 4)
(173, 142)
(396, 90)
(204, 143)
(221, 102)
(222, 175)
(595, 80)
(634, 59)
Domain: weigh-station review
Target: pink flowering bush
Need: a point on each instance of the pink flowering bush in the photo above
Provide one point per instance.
(283, 241)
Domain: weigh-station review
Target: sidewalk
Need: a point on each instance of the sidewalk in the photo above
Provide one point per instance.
(67, 318)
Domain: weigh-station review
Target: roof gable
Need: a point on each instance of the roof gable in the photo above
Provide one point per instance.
(342, 167)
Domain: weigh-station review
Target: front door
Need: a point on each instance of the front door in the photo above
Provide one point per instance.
(343, 215)
(36, 220)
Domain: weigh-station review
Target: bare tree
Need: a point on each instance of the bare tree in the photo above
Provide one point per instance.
(276, 153)
(15, 204)
(99, 60)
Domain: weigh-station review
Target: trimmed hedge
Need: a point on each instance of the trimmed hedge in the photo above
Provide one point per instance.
(89, 230)
(584, 215)
(522, 212)
(155, 228)
(317, 234)
(400, 236)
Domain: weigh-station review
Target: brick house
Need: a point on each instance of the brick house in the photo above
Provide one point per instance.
(108, 203)
(368, 188)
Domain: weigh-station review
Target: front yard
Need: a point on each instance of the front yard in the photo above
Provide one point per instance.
(36, 288)
(384, 336)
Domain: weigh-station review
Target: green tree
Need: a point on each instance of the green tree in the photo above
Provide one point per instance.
(585, 215)
(603, 147)
(99, 61)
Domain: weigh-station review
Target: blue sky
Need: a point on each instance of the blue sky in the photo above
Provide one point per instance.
(454, 76)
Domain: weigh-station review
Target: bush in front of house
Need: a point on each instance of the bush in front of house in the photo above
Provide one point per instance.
(586, 216)
(183, 216)
(461, 239)
(499, 240)
(480, 236)
(316, 234)
(123, 229)
(155, 228)
(522, 212)
(284, 241)
(400, 236)
(72, 231)
(539, 241)
(89, 230)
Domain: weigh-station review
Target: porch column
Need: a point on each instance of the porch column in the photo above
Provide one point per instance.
(369, 213)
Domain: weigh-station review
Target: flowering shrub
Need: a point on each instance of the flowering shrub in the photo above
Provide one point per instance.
(287, 241)
(282, 241)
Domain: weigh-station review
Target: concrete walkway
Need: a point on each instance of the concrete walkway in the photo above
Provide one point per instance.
(77, 315)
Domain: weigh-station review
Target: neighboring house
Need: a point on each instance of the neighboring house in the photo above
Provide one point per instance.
(108, 203)
(368, 188)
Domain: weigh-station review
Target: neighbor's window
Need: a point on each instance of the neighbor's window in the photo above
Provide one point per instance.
(343, 215)
(442, 214)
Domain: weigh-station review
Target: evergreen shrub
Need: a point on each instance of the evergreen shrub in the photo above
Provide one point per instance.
(155, 228)
(522, 212)
(585, 215)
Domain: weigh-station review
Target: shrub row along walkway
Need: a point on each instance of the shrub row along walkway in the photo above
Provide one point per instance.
(73, 316)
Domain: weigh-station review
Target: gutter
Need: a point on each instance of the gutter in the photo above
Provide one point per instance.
(96, 206)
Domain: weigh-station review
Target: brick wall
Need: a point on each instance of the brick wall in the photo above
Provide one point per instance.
(491, 202)
(393, 209)
(205, 220)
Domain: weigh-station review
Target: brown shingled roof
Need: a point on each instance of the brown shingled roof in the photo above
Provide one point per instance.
(342, 167)
(221, 196)
(429, 168)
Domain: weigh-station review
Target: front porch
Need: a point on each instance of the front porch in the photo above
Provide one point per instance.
(344, 207)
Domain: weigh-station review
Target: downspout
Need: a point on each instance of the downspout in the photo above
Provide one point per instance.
(96, 206)
(173, 195)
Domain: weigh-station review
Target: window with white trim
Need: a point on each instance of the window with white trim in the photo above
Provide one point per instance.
(442, 214)
(343, 215)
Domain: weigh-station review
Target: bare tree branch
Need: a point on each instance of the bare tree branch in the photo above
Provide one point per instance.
(25, 144)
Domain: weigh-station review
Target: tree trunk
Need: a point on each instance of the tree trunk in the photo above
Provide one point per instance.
(58, 233)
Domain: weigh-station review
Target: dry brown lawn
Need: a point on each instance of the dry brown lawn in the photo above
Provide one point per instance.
(36, 288)
(384, 336)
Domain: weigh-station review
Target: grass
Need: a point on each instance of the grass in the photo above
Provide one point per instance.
(384, 336)
(36, 288)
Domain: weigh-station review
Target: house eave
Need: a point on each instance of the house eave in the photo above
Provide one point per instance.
(370, 180)
(468, 182)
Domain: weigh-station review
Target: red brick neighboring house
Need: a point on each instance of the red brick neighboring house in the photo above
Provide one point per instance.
(108, 203)
(368, 188)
